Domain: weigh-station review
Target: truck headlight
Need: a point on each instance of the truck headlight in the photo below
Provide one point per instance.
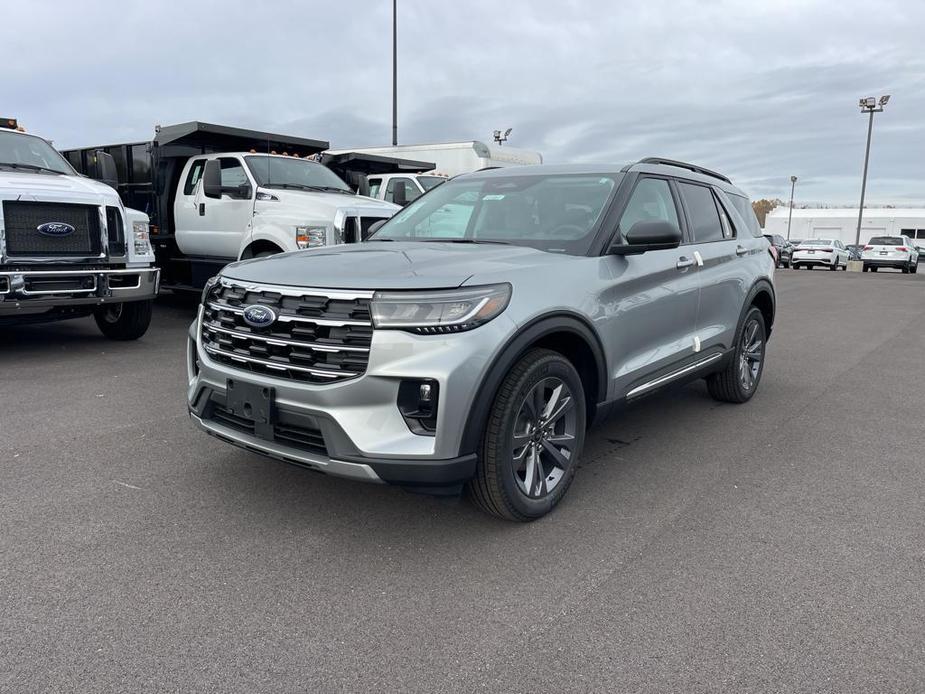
(142, 238)
(310, 237)
(441, 311)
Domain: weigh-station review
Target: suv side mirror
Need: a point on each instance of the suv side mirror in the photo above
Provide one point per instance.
(651, 235)
(212, 179)
(102, 167)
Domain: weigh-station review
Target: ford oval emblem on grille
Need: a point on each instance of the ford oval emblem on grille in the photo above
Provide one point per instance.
(55, 229)
(258, 316)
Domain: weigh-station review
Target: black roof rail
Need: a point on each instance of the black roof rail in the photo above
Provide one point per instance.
(684, 165)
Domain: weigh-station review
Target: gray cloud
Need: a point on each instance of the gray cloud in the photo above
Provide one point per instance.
(758, 90)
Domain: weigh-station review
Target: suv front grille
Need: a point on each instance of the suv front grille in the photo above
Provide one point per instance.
(22, 219)
(319, 336)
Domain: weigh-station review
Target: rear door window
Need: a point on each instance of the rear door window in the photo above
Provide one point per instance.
(706, 225)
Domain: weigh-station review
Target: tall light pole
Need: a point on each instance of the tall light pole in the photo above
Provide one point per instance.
(394, 72)
(869, 105)
(793, 184)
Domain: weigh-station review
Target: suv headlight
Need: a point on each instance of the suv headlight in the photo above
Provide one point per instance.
(442, 311)
(142, 238)
(310, 237)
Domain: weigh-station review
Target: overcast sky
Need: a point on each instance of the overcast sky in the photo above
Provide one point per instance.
(758, 90)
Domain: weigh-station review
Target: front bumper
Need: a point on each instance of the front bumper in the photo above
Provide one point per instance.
(362, 431)
(35, 291)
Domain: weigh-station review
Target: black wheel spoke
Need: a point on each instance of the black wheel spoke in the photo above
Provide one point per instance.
(560, 460)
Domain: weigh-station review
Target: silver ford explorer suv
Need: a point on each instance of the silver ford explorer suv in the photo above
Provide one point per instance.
(472, 340)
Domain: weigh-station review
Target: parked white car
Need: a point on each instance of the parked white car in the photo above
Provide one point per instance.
(898, 252)
(830, 253)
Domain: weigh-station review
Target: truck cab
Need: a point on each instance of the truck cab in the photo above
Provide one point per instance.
(236, 205)
(69, 248)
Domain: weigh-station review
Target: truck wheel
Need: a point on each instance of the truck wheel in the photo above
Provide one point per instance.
(533, 439)
(738, 381)
(124, 321)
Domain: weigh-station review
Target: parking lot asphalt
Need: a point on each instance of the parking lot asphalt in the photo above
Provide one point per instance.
(773, 546)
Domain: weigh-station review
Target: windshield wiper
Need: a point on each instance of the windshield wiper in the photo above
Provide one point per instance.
(502, 243)
(30, 167)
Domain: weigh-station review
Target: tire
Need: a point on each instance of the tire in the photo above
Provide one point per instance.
(905, 269)
(733, 383)
(794, 266)
(866, 268)
(124, 321)
(873, 269)
(834, 266)
(498, 488)
(914, 269)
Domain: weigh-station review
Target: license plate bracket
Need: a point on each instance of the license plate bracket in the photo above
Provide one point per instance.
(252, 402)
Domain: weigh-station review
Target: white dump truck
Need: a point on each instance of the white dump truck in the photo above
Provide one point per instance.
(69, 248)
(216, 194)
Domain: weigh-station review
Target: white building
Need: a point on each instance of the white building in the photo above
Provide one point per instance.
(817, 223)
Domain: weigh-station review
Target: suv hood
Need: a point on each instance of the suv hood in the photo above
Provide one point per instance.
(389, 265)
(55, 188)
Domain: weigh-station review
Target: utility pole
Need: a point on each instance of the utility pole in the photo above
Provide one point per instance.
(868, 105)
(394, 72)
(793, 183)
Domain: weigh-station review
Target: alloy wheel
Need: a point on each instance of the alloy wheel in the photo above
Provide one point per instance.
(751, 353)
(545, 437)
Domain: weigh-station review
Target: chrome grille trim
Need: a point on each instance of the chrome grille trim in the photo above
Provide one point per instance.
(279, 366)
(288, 317)
(281, 341)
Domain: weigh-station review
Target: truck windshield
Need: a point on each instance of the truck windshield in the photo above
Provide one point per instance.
(31, 153)
(289, 172)
(557, 213)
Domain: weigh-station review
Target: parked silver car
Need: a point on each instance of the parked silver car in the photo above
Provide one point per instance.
(474, 338)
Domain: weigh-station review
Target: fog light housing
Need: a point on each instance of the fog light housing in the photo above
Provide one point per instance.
(417, 401)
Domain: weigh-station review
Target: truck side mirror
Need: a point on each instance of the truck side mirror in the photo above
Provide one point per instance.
(102, 167)
(400, 195)
(212, 179)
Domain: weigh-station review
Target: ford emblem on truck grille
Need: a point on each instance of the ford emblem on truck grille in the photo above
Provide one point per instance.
(55, 229)
(258, 316)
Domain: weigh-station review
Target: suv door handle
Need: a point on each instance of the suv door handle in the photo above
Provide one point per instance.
(684, 262)
(741, 250)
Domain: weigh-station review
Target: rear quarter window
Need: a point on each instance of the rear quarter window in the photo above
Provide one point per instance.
(744, 209)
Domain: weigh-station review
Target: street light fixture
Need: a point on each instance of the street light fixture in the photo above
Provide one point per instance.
(793, 183)
(869, 105)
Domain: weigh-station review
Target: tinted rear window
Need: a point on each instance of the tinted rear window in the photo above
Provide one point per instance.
(886, 241)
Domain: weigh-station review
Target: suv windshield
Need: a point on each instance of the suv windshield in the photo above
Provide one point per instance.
(289, 172)
(886, 241)
(551, 212)
(18, 150)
